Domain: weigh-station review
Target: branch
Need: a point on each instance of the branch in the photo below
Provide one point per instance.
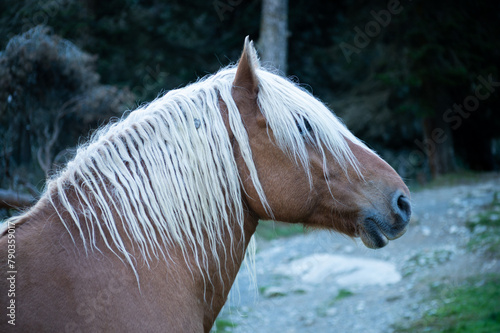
(44, 154)
(13, 200)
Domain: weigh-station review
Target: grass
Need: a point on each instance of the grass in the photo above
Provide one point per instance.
(271, 292)
(485, 228)
(223, 325)
(426, 259)
(473, 307)
(322, 311)
(269, 230)
(450, 179)
(343, 293)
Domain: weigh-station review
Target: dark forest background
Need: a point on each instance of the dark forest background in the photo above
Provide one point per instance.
(419, 81)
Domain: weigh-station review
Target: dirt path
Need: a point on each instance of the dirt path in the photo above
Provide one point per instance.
(321, 282)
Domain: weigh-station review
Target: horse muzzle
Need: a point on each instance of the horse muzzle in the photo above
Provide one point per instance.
(377, 227)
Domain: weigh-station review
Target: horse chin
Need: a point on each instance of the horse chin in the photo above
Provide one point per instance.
(376, 232)
(374, 239)
(372, 235)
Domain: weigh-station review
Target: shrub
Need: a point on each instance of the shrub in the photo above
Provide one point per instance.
(50, 95)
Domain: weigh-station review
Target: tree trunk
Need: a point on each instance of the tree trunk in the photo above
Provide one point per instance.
(273, 41)
(438, 145)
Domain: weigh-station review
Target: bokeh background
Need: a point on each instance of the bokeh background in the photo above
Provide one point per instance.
(418, 81)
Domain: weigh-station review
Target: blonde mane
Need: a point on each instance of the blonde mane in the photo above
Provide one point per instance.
(167, 172)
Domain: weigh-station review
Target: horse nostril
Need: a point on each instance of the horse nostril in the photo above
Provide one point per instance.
(403, 207)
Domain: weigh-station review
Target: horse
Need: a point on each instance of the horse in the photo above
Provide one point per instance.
(147, 227)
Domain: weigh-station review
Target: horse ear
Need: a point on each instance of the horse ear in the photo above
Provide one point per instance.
(245, 73)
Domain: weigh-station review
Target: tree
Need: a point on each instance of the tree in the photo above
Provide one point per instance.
(451, 74)
(273, 41)
(50, 95)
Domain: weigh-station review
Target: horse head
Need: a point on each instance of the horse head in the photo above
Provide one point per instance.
(312, 169)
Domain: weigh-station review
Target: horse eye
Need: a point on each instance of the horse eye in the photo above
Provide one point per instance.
(303, 126)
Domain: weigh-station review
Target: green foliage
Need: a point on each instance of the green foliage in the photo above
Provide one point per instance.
(270, 230)
(324, 308)
(343, 293)
(147, 46)
(485, 227)
(50, 95)
(426, 259)
(473, 307)
(272, 292)
(223, 325)
(426, 59)
(451, 179)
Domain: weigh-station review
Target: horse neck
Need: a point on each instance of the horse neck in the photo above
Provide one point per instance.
(217, 291)
(211, 284)
(164, 284)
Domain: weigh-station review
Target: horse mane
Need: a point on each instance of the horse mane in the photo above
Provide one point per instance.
(166, 172)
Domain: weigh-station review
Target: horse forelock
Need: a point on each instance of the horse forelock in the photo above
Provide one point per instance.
(166, 172)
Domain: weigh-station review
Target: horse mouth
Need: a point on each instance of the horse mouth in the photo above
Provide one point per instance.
(375, 233)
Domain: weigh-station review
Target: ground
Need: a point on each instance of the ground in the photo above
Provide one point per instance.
(323, 282)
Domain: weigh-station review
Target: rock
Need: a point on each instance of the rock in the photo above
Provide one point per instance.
(330, 312)
(361, 306)
(348, 249)
(426, 231)
(345, 271)
(274, 292)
